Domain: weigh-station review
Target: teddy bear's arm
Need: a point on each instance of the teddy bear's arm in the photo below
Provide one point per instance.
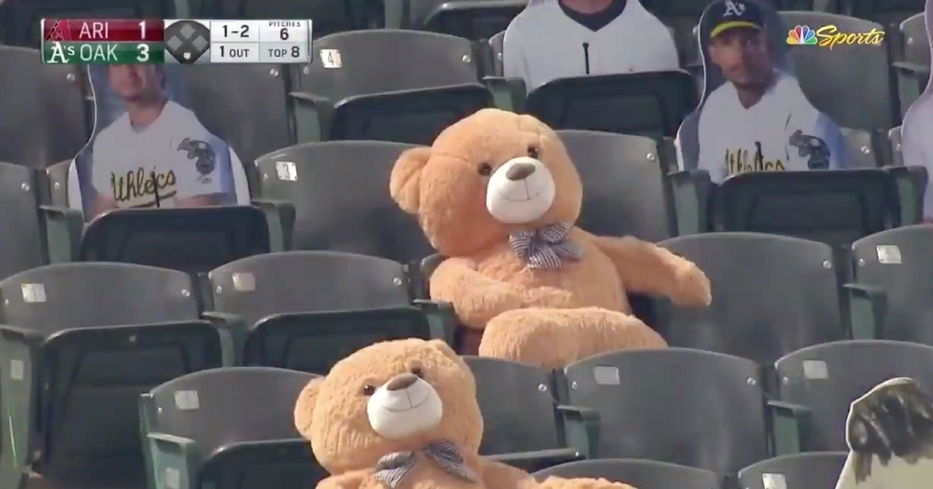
(475, 297)
(347, 480)
(650, 269)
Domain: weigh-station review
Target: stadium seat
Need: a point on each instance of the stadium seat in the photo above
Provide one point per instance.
(643, 474)
(696, 408)
(625, 186)
(353, 90)
(754, 278)
(799, 470)
(45, 118)
(913, 65)
(861, 144)
(228, 428)
(894, 276)
(833, 78)
(823, 380)
(340, 194)
(193, 240)
(645, 104)
(888, 13)
(495, 45)
(328, 16)
(80, 342)
(306, 310)
(894, 137)
(835, 207)
(21, 241)
(520, 423)
(20, 20)
(476, 20)
(255, 124)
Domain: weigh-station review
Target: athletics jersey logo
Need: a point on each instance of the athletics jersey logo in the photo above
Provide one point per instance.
(737, 161)
(811, 147)
(203, 154)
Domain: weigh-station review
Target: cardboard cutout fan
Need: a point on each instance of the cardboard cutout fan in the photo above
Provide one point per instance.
(753, 115)
(916, 143)
(148, 148)
(890, 436)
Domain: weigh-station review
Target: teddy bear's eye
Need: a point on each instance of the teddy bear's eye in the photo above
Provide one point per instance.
(485, 169)
(533, 152)
(418, 372)
(368, 390)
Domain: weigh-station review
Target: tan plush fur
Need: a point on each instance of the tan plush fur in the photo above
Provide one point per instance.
(543, 317)
(331, 413)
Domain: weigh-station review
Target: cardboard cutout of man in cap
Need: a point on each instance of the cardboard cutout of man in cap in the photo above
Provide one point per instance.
(916, 143)
(890, 436)
(148, 149)
(754, 115)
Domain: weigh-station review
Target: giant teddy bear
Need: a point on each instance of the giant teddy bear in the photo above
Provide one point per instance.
(403, 415)
(498, 195)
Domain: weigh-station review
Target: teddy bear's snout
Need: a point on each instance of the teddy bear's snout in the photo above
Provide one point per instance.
(403, 406)
(520, 191)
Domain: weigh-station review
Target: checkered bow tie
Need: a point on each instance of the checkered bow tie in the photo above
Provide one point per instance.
(392, 469)
(545, 247)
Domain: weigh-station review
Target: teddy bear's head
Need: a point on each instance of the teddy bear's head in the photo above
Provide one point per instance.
(486, 176)
(389, 397)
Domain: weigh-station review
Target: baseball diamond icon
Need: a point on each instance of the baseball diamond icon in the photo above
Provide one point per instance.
(187, 40)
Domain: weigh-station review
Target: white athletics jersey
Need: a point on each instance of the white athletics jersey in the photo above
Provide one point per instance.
(767, 136)
(542, 43)
(174, 153)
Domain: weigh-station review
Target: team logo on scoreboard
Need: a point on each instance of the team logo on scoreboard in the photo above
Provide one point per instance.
(187, 40)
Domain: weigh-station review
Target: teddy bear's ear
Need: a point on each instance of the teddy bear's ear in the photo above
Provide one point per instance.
(405, 182)
(304, 406)
(443, 347)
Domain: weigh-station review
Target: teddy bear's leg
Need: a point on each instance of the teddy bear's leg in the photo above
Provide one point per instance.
(555, 337)
(581, 483)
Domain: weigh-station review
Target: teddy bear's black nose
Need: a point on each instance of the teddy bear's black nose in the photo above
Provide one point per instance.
(400, 382)
(519, 171)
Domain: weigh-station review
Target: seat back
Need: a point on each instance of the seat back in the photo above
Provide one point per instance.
(885, 12)
(314, 342)
(307, 281)
(722, 431)
(645, 104)
(349, 64)
(45, 118)
(496, 46)
(112, 332)
(916, 46)
(835, 207)
(253, 125)
(242, 421)
(328, 17)
(477, 21)
(193, 240)
(326, 182)
(517, 402)
(827, 378)
(815, 469)
(898, 261)
(753, 278)
(860, 148)
(22, 243)
(624, 184)
(640, 473)
(832, 78)
(897, 155)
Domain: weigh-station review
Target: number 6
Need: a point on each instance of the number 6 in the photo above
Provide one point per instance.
(284, 33)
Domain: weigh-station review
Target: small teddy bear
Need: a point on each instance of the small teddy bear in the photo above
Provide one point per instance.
(498, 195)
(403, 415)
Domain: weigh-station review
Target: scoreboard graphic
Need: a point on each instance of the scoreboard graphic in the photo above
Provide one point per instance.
(176, 41)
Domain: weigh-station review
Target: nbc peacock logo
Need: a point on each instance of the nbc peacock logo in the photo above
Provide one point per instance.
(801, 36)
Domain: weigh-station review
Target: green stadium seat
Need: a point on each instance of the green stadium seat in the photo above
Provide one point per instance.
(812, 469)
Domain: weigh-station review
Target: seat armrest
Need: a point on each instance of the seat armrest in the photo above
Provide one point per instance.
(790, 423)
(507, 93)
(691, 192)
(232, 330)
(312, 116)
(280, 218)
(63, 229)
(912, 69)
(175, 460)
(911, 182)
(539, 459)
(868, 305)
(21, 362)
(581, 428)
(441, 318)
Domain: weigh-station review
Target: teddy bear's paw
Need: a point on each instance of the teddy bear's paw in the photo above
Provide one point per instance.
(582, 483)
(693, 288)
